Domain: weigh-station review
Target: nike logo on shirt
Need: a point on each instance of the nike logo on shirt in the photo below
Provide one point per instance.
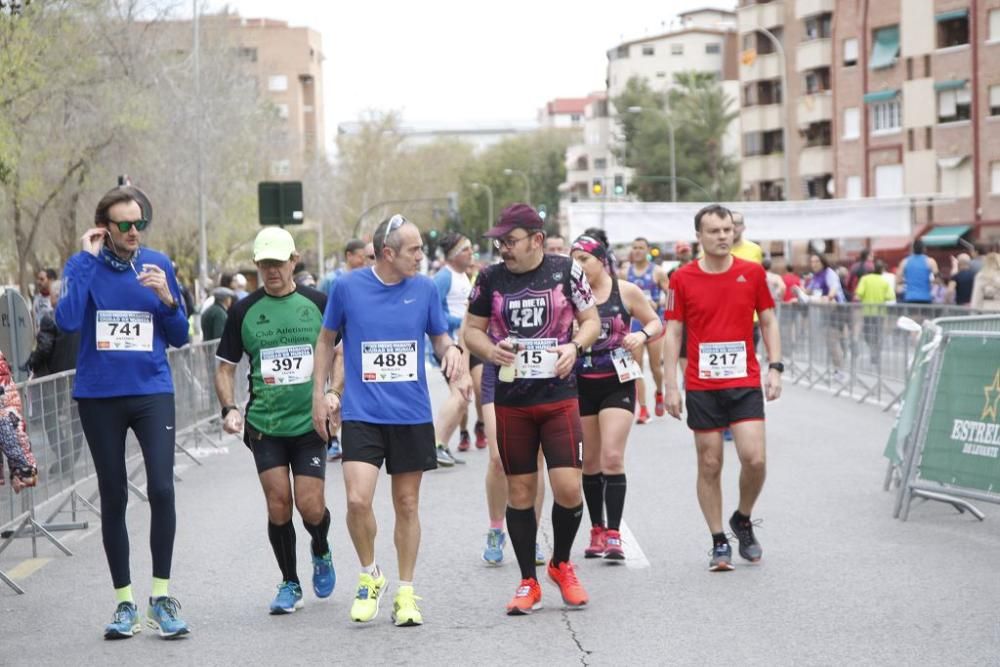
(408, 300)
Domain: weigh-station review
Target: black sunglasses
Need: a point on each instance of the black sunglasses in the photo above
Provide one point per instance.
(125, 225)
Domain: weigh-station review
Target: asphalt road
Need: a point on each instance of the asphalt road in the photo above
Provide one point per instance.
(841, 582)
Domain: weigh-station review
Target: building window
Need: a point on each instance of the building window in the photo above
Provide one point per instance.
(677, 49)
(954, 104)
(277, 83)
(817, 187)
(752, 144)
(852, 187)
(818, 27)
(600, 163)
(575, 118)
(817, 134)
(994, 27)
(995, 178)
(852, 123)
(622, 51)
(762, 93)
(889, 180)
(952, 29)
(850, 51)
(581, 163)
(713, 48)
(886, 116)
(281, 168)
(248, 53)
(282, 110)
(763, 143)
(817, 80)
(770, 191)
(885, 47)
(995, 100)
(955, 176)
(648, 50)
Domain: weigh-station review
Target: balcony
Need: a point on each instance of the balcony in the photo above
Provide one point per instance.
(813, 54)
(761, 15)
(763, 67)
(816, 160)
(760, 118)
(804, 8)
(763, 168)
(814, 108)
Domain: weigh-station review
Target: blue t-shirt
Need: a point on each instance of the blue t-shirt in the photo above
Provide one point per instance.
(366, 311)
(124, 327)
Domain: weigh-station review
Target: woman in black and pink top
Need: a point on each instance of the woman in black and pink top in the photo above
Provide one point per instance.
(606, 377)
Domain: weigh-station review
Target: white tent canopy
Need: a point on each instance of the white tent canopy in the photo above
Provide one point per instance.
(766, 221)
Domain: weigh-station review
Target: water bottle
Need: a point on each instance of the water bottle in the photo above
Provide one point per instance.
(506, 373)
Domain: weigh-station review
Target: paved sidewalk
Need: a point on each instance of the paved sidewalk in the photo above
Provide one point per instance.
(841, 581)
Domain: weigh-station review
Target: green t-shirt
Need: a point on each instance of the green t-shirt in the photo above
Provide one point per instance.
(873, 289)
(278, 335)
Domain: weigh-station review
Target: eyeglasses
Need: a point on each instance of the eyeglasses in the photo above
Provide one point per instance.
(395, 222)
(509, 243)
(370, 256)
(125, 225)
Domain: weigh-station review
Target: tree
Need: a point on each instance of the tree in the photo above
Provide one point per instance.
(701, 114)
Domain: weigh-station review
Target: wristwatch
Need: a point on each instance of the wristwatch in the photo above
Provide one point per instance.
(226, 409)
(777, 365)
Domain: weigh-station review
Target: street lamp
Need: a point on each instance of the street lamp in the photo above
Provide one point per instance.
(673, 151)
(784, 103)
(527, 183)
(489, 198)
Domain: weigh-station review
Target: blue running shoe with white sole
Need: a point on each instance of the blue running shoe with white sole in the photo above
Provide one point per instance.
(324, 576)
(125, 622)
(288, 599)
(495, 540)
(162, 617)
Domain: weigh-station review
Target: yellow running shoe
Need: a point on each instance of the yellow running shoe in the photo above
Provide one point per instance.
(404, 609)
(365, 606)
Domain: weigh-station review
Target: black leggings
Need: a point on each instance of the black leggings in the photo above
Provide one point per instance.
(105, 422)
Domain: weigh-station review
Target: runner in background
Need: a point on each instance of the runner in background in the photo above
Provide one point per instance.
(650, 279)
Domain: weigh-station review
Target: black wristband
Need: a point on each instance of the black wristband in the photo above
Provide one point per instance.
(226, 409)
(777, 365)
(579, 349)
(643, 331)
(458, 347)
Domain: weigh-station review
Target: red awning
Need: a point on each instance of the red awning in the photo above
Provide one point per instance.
(891, 243)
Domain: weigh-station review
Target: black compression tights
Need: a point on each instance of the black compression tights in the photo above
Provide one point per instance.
(105, 422)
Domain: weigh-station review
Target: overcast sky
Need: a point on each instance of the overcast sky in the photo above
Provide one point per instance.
(454, 61)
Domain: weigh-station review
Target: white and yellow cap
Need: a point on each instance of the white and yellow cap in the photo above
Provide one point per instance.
(273, 243)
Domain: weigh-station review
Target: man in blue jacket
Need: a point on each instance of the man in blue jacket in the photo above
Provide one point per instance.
(124, 300)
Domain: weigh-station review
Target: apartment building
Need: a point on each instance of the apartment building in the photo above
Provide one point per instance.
(884, 98)
(563, 112)
(287, 64)
(702, 40)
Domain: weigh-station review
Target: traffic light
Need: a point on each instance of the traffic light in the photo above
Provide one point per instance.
(432, 242)
(280, 203)
(542, 211)
(619, 185)
(597, 188)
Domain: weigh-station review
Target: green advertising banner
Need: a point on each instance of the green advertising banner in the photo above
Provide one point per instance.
(963, 439)
(907, 417)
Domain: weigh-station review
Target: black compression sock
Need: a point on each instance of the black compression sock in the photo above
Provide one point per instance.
(593, 492)
(319, 533)
(614, 496)
(719, 538)
(565, 523)
(523, 529)
(283, 542)
(741, 518)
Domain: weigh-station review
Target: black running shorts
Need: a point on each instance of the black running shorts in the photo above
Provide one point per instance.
(403, 447)
(555, 426)
(596, 394)
(305, 454)
(717, 410)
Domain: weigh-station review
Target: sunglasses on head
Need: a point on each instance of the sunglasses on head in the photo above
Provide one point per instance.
(395, 222)
(125, 225)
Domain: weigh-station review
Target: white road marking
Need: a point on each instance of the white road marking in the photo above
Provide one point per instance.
(634, 556)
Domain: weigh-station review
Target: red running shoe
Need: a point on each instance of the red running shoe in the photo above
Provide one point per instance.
(613, 546)
(480, 435)
(660, 408)
(569, 586)
(464, 442)
(643, 415)
(597, 544)
(527, 599)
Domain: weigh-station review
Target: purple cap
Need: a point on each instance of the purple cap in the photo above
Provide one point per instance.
(514, 216)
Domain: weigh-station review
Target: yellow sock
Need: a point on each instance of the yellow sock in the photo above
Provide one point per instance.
(124, 594)
(159, 587)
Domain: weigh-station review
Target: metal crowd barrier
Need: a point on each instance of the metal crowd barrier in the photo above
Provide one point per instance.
(67, 484)
(856, 350)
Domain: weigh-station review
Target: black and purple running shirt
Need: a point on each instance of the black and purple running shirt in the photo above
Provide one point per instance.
(541, 303)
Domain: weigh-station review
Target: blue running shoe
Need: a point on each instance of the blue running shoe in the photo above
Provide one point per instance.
(722, 558)
(288, 599)
(162, 617)
(540, 558)
(333, 451)
(125, 622)
(493, 553)
(324, 576)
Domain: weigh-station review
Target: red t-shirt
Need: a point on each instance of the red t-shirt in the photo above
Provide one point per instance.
(791, 280)
(718, 310)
